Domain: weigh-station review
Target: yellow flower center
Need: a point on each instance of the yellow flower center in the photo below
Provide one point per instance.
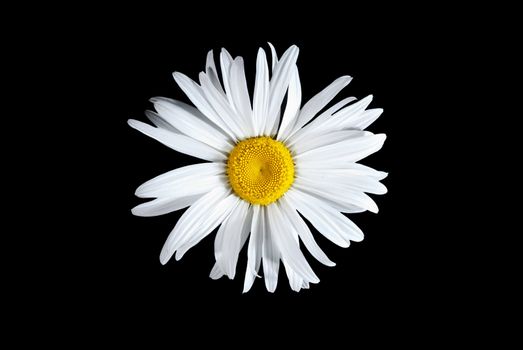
(260, 170)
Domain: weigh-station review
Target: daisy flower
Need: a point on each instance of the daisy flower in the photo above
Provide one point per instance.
(262, 167)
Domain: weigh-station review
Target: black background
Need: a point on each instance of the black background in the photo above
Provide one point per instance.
(105, 261)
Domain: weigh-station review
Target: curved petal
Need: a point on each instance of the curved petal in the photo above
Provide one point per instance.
(288, 247)
(329, 222)
(254, 250)
(292, 108)
(240, 95)
(227, 243)
(179, 142)
(270, 254)
(318, 102)
(209, 208)
(165, 205)
(191, 125)
(304, 232)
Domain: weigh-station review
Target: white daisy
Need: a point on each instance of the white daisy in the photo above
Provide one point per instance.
(263, 168)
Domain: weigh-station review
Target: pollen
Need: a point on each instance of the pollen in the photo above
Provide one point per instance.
(260, 170)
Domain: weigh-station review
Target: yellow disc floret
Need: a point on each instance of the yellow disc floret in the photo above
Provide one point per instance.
(260, 170)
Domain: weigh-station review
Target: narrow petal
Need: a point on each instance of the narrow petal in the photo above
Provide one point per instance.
(351, 150)
(195, 93)
(226, 64)
(254, 250)
(212, 72)
(227, 243)
(318, 102)
(317, 126)
(224, 109)
(287, 246)
(292, 108)
(178, 179)
(341, 194)
(190, 222)
(317, 141)
(366, 184)
(160, 122)
(274, 56)
(270, 253)
(260, 105)
(191, 125)
(304, 232)
(240, 95)
(215, 217)
(216, 273)
(164, 205)
(329, 222)
(179, 142)
(278, 86)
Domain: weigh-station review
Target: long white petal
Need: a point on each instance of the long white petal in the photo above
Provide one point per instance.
(293, 105)
(224, 109)
(318, 141)
(270, 253)
(178, 179)
(240, 95)
(165, 205)
(355, 182)
(351, 150)
(160, 122)
(178, 142)
(317, 126)
(191, 220)
(278, 86)
(215, 217)
(227, 243)
(274, 56)
(342, 195)
(212, 72)
(226, 64)
(260, 105)
(318, 102)
(329, 222)
(190, 125)
(195, 93)
(288, 247)
(254, 250)
(304, 232)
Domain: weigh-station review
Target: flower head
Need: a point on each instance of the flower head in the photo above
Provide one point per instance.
(263, 167)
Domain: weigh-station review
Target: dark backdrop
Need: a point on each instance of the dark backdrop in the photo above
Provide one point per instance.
(399, 269)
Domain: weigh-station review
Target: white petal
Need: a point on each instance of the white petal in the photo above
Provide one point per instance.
(224, 109)
(179, 142)
(164, 205)
(351, 150)
(260, 105)
(293, 105)
(317, 141)
(288, 247)
(178, 179)
(364, 119)
(216, 272)
(212, 72)
(203, 210)
(195, 93)
(227, 243)
(345, 168)
(226, 64)
(278, 86)
(240, 94)
(318, 124)
(295, 281)
(355, 182)
(318, 102)
(270, 253)
(329, 222)
(342, 195)
(304, 232)
(160, 122)
(254, 250)
(191, 125)
(274, 56)
(215, 217)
